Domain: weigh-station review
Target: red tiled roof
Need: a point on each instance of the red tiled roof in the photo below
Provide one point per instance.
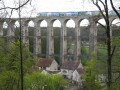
(80, 70)
(70, 65)
(45, 62)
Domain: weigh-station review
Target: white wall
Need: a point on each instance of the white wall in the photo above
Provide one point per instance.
(54, 65)
(76, 76)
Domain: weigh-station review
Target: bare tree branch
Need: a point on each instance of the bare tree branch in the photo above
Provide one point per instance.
(113, 51)
(102, 3)
(102, 25)
(117, 77)
(96, 4)
(17, 7)
(114, 9)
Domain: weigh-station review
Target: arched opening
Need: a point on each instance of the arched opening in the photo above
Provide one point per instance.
(56, 35)
(31, 29)
(43, 28)
(16, 31)
(70, 25)
(101, 39)
(115, 27)
(5, 28)
(84, 33)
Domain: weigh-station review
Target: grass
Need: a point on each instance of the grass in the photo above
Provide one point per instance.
(85, 50)
(102, 52)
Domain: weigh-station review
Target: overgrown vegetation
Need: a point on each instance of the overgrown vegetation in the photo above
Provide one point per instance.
(10, 70)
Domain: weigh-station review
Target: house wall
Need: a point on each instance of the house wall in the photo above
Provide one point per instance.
(48, 68)
(64, 72)
(70, 74)
(54, 66)
(80, 66)
(67, 73)
(76, 76)
(40, 68)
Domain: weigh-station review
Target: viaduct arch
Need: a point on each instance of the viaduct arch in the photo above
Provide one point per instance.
(50, 36)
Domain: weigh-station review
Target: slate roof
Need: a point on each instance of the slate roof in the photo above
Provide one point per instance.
(70, 65)
(80, 70)
(45, 62)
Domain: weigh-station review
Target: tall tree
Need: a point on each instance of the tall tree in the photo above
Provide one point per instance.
(107, 27)
(18, 8)
(110, 50)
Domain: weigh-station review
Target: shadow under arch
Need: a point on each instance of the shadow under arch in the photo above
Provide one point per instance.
(101, 38)
(43, 34)
(115, 28)
(56, 35)
(70, 37)
(84, 36)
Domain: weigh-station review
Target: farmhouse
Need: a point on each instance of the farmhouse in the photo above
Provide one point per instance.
(69, 67)
(77, 75)
(48, 64)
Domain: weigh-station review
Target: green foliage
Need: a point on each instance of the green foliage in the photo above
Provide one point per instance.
(10, 65)
(40, 81)
(3, 51)
(9, 80)
(43, 45)
(85, 50)
(57, 59)
(84, 61)
(91, 76)
(31, 41)
(57, 45)
(102, 52)
(116, 63)
(13, 57)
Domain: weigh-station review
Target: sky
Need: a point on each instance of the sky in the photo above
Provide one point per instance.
(36, 6)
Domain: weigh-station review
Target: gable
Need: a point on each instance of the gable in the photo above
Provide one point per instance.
(54, 63)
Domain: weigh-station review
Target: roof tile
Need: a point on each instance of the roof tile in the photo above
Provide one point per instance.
(45, 62)
(70, 65)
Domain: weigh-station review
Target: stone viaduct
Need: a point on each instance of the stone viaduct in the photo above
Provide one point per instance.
(50, 40)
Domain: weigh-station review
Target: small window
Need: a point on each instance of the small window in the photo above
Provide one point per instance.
(44, 67)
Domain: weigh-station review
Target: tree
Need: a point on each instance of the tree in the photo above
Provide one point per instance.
(10, 71)
(40, 81)
(18, 8)
(91, 80)
(107, 28)
(110, 48)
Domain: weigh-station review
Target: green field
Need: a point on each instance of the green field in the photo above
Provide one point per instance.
(85, 50)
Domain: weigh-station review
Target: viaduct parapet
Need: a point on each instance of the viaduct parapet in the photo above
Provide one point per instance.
(50, 40)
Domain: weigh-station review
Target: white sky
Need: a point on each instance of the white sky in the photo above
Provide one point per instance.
(37, 6)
